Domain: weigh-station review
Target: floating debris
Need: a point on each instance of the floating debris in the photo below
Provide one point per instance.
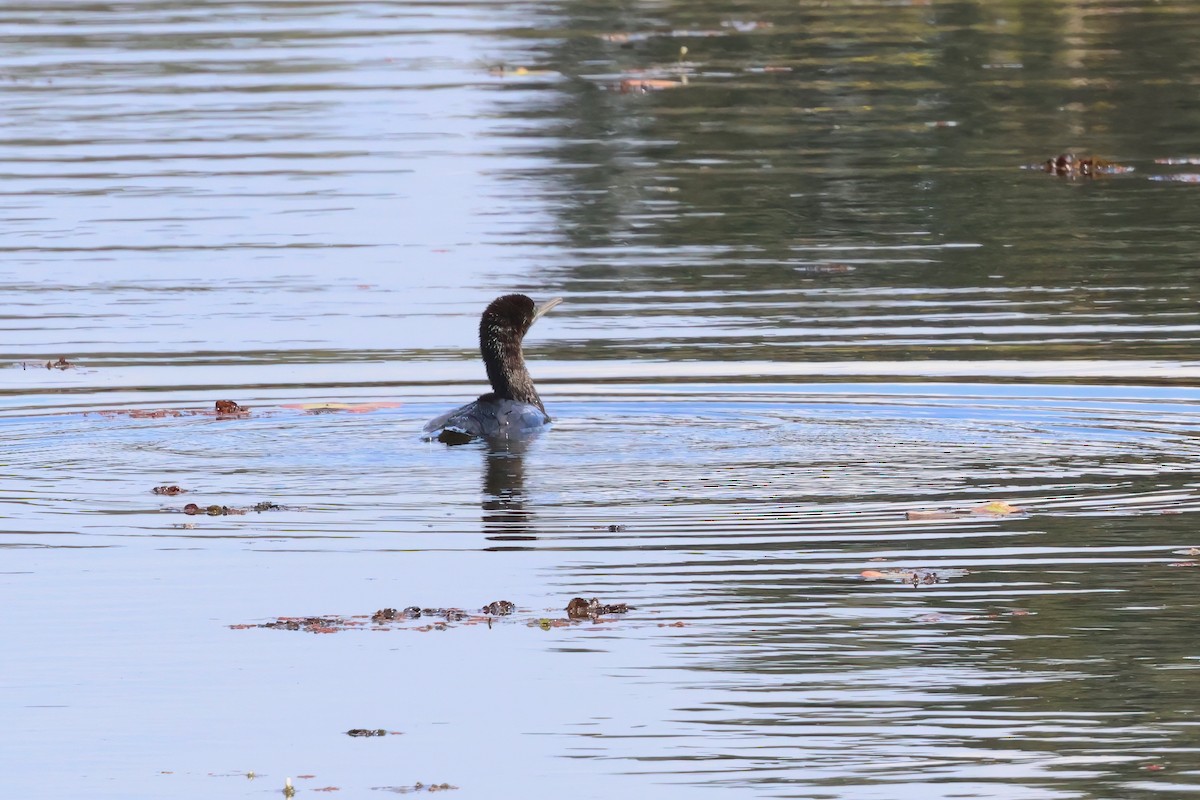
(1069, 165)
(160, 413)
(645, 85)
(579, 608)
(728, 28)
(439, 619)
(505, 71)
(825, 268)
(307, 624)
(747, 25)
(170, 491)
(916, 577)
(150, 413)
(546, 623)
(939, 513)
(1011, 612)
(448, 614)
(996, 508)
(416, 787)
(192, 509)
(231, 409)
(500, 608)
(366, 732)
(61, 364)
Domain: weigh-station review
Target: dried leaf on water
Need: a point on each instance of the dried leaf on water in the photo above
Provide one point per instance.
(644, 85)
(579, 608)
(308, 624)
(60, 364)
(191, 509)
(416, 787)
(1069, 165)
(994, 508)
(439, 619)
(915, 577)
(170, 491)
(500, 608)
(506, 71)
(941, 513)
(231, 409)
(997, 508)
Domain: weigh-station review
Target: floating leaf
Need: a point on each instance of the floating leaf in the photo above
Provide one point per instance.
(579, 608)
(504, 71)
(643, 85)
(997, 508)
(937, 514)
(912, 576)
(1069, 165)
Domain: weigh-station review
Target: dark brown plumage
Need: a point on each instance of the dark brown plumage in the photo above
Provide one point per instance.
(513, 407)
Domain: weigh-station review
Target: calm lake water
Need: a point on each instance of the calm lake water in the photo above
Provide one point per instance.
(808, 288)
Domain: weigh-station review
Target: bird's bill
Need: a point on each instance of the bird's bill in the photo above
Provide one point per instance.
(546, 306)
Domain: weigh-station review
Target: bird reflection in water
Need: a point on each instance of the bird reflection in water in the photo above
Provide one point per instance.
(506, 517)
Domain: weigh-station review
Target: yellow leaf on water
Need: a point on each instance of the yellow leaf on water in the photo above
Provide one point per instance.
(997, 508)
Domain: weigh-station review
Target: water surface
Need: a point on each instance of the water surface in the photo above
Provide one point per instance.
(808, 288)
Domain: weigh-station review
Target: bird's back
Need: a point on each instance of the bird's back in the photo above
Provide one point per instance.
(487, 418)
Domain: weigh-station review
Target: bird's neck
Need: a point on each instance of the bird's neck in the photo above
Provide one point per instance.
(506, 370)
